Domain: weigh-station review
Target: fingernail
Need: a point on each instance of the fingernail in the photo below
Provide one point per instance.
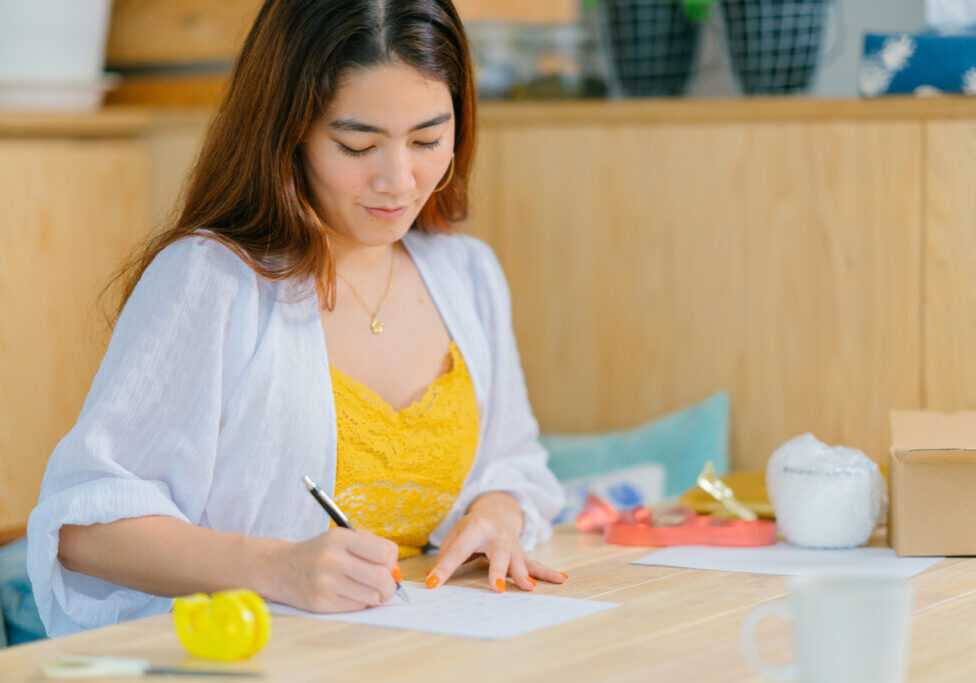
(531, 580)
(397, 574)
(500, 585)
(432, 581)
(564, 575)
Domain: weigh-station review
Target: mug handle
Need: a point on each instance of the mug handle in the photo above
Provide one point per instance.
(747, 640)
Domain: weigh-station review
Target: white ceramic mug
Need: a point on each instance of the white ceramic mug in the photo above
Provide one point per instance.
(846, 629)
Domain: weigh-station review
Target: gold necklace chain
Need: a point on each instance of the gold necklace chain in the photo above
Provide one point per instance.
(375, 325)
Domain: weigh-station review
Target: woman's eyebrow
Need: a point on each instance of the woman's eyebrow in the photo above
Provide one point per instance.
(359, 127)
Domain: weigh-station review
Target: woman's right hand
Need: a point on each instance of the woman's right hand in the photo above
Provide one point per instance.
(341, 570)
(338, 571)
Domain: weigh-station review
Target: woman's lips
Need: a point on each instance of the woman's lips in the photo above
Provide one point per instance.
(385, 214)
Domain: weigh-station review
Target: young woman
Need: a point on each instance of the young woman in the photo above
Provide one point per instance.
(310, 313)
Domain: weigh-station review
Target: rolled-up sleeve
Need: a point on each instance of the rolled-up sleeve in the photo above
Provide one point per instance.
(146, 439)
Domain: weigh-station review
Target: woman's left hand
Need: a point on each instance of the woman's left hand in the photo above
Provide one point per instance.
(491, 526)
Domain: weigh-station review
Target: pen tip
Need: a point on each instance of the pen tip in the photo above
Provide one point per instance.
(309, 484)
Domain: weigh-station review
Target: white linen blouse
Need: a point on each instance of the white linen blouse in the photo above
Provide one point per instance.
(214, 399)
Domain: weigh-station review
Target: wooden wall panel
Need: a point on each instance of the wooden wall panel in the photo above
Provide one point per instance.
(949, 314)
(651, 263)
(542, 11)
(821, 271)
(651, 266)
(174, 145)
(154, 32)
(70, 209)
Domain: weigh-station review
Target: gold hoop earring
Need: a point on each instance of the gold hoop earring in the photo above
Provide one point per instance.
(450, 174)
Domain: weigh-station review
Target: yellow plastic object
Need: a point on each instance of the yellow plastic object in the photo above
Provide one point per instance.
(749, 488)
(231, 625)
(719, 490)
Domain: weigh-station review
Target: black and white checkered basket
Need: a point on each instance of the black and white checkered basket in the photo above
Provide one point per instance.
(774, 45)
(651, 44)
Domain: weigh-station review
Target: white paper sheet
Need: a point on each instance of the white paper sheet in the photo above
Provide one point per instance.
(783, 558)
(465, 612)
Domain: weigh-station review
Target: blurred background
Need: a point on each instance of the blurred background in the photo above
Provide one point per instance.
(766, 199)
(173, 52)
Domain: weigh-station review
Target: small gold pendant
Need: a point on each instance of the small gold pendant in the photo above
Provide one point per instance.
(376, 326)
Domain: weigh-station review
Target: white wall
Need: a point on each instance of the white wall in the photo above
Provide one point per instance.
(848, 21)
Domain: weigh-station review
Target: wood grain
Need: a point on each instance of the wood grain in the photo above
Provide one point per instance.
(671, 625)
(653, 265)
(157, 32)
(648, 111)
(71, 208)
(801, 264)
(536, 11)
(170, 90)
(173, 146)
(182, 32)
(106, 122)
(949, 313)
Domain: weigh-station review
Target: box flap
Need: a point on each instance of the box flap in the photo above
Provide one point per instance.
(945, 456)
(931, 430)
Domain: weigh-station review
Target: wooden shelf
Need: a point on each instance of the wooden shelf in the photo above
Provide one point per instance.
(739, 110)
(122, 120)
(105, 122)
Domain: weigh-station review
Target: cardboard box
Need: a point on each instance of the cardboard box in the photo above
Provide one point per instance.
(932, 483)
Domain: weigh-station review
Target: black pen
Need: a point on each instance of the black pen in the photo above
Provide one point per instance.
(340, 519)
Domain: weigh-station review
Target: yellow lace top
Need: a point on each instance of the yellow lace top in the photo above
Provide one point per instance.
(398, 472)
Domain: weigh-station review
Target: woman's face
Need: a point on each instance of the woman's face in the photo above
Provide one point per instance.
(378, 152)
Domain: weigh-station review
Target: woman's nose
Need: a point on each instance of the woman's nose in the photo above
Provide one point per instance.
(396, 174)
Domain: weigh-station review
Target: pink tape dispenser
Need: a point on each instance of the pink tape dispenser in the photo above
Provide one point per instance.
(678, 526)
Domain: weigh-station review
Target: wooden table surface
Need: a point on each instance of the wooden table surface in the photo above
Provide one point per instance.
(672, 625)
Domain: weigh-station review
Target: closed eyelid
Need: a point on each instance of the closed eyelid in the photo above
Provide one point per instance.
(362, 149)
(353, 151)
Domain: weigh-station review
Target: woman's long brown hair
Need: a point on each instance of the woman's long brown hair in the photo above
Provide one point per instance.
(249, 186)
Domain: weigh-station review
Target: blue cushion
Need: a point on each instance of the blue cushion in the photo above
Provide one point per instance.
(935, 60)
(641, 466)
(3, 632)
(22, 621)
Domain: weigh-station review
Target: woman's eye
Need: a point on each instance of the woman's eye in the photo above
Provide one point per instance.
(353, 152)
(429, 145)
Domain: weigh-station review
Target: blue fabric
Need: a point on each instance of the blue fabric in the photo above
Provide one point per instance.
(660, 459)
(928, 62)
(20, 618)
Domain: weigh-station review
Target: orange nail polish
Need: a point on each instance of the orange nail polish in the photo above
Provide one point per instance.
(564, 575)
(432, 581)
(500, 585)
(397, 574)
(531, 580)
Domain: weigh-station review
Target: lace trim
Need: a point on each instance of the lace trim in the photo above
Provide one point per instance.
(399, 471)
